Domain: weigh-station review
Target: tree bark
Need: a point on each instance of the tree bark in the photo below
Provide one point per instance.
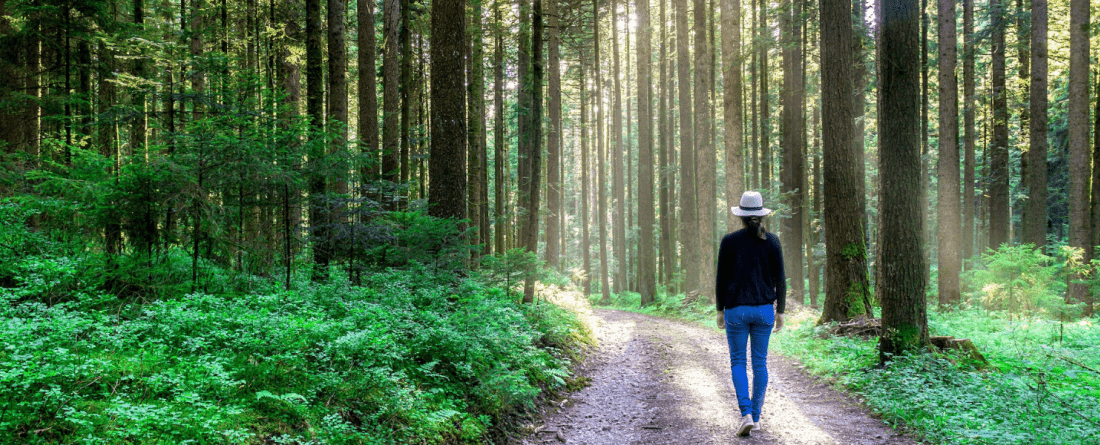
(1080, 234)
(999, 168)
(665, 168)
(731, 108)
(474, 118)
(499, 158)
(902, 286)
(553, 146)
(689, 222)
(391, 101)
(584, 219)
(765, 117)
(338, 87)
(948, 204)
(847, 291)
(969, 128)
(601, 198)
(447, 163)
(138, 130)
(1023, 73)
(535, 162)
(618, 218)
(647, 263)
(704, 158)
(198, 78)
(368, 90)
(405, 35)
(793, 135)
(1034, 218)
(315, 103)
(1095, 217)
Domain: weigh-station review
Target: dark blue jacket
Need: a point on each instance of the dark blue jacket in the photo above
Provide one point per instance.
(750, 271)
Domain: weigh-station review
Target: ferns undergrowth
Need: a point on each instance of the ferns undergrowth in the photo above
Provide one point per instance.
(410, 355)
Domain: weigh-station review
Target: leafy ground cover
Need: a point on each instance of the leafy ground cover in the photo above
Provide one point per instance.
(1042, 385)
(412, 355)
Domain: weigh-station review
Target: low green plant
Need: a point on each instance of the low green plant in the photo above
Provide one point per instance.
(414, 355)
(1042, 387)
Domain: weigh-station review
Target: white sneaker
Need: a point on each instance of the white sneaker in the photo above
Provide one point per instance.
(759, 424)
(746, 426)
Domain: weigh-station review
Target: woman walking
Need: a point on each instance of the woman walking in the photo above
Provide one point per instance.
(750, 291)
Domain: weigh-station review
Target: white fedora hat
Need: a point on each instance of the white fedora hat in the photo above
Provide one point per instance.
(751, 205)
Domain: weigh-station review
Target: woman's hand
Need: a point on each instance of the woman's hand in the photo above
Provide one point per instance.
(778, 322)
(722, 319)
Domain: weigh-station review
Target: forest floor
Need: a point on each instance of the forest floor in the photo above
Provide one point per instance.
(661, 381)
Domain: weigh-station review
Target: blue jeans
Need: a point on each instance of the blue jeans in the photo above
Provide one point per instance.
(749, 323)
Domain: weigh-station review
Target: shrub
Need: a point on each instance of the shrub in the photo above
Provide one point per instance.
(1019, 279)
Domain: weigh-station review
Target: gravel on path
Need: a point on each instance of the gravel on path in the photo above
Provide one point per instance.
(660, 381)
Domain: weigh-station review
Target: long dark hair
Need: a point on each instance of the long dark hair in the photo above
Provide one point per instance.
(755, 223)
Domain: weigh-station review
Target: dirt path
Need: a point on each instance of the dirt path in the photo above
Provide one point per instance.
(658, 381)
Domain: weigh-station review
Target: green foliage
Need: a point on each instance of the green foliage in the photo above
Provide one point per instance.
(417, 354)
(1018, 279)
(509, 268)
(412, 356)
(1043, 387)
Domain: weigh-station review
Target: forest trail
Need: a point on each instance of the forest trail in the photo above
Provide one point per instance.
(660, 381)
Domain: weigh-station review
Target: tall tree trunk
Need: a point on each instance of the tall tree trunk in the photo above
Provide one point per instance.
(861, 50)
(531, 232)
(446, 165)
(198, 78)
(731, 107)
(925, 192)
(291, 84)
(338, 86)
(998, 187)
(948, 204)
(368, 89)
(754, 170)
(11, 132)
(601, 198)
(405, 35)
(689, 222)
(1034, 220)
(846, 285)
(499, 158)
(618, 218)
(969, 135)
(1023, 73)
(664, 160)
(817, 267)
(765, 95)
(474, 99)
(138, 131)
(901, 289)
(553, 146)
(1080, 230)
(523, 119)
(391, 100)
(630, 251)
(1095, 217)
(108, 144)
(793, 135)
(584, 219)
(315, 103)
(647, 262)
(704, 158)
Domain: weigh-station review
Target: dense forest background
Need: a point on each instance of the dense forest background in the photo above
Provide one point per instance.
(941, 153)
